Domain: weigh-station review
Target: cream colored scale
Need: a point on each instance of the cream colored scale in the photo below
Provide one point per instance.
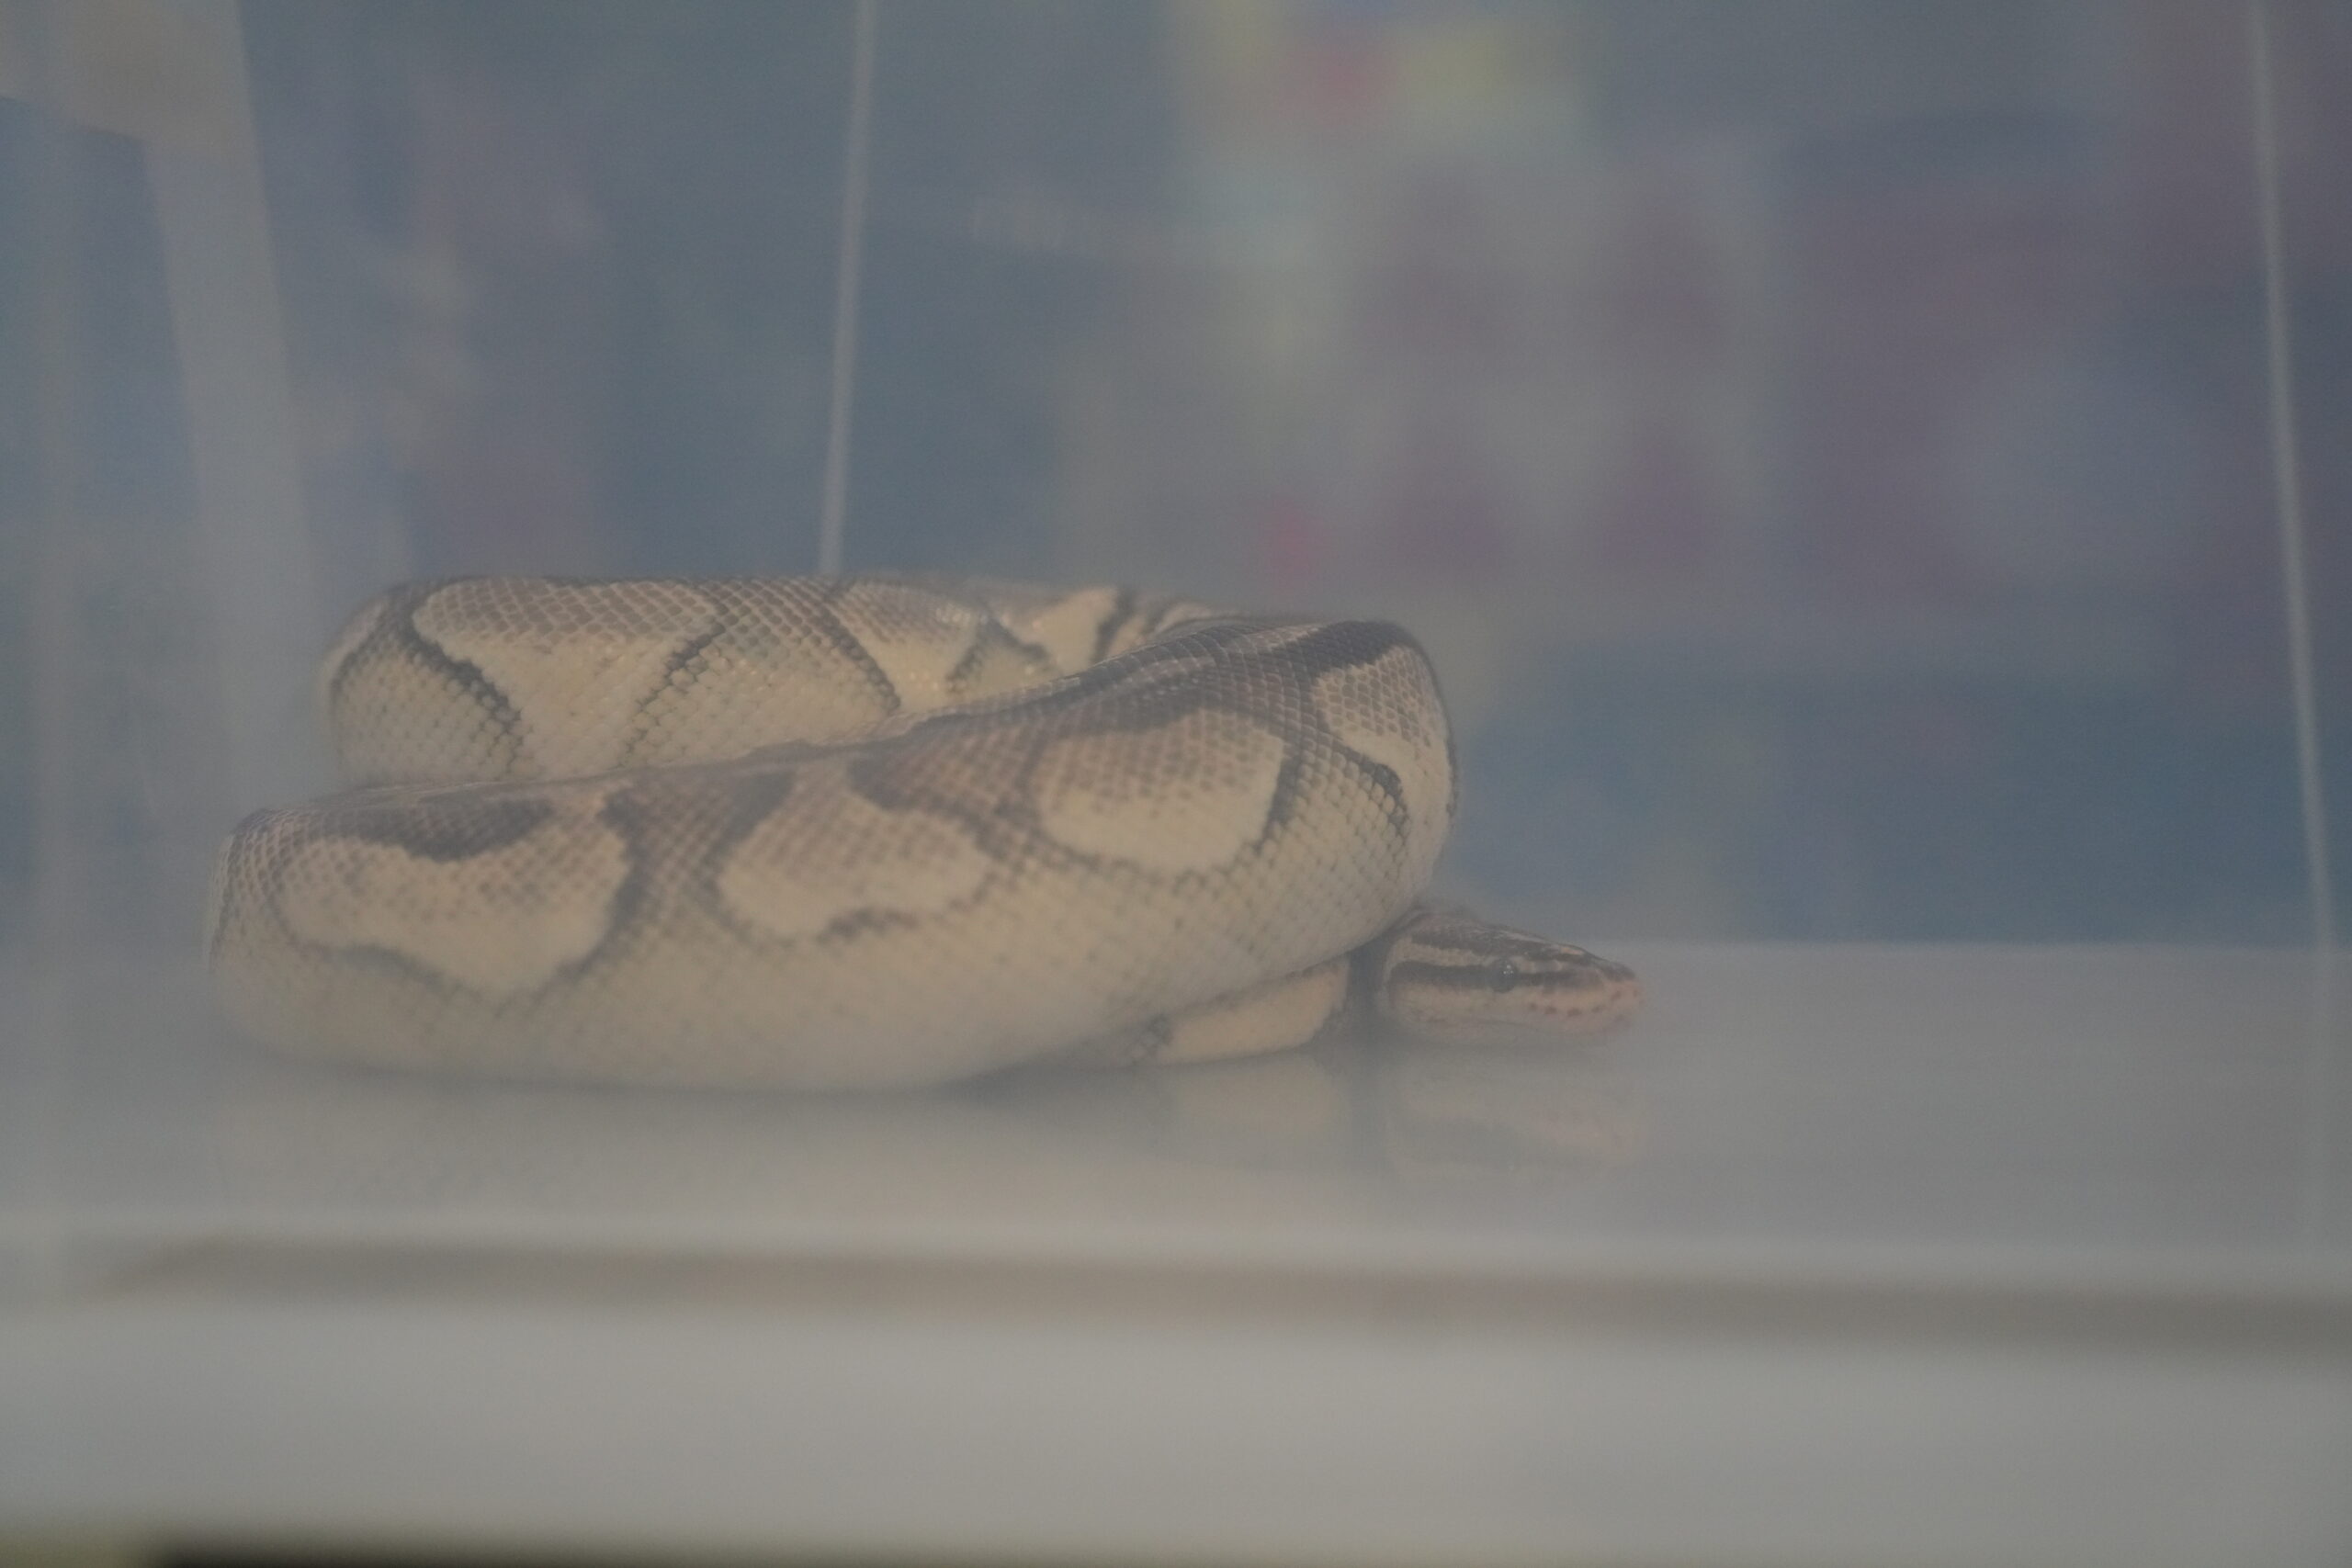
(863, 832)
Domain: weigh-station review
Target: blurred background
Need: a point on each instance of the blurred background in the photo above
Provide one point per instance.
(1825, 443)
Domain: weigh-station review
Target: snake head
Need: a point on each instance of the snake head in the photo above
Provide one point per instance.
(1448, 975)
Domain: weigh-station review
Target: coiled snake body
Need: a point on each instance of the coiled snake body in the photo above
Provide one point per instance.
(862, 832)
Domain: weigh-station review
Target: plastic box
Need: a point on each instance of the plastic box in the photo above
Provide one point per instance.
(1833, 453)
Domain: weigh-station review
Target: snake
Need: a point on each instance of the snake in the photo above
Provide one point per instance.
(865, 833)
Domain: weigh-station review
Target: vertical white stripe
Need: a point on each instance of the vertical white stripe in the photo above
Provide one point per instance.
(2287, 476)
(846, 270)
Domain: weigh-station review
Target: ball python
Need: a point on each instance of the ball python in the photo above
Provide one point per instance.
(862, 832)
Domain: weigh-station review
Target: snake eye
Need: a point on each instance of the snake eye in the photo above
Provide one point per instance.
(1501, 974)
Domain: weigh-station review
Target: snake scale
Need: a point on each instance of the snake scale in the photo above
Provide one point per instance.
(863, 832)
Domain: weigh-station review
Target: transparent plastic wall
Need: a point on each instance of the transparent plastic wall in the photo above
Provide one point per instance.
(1872, 479)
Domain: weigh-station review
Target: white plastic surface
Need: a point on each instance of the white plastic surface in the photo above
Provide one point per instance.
(1841, 1256)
